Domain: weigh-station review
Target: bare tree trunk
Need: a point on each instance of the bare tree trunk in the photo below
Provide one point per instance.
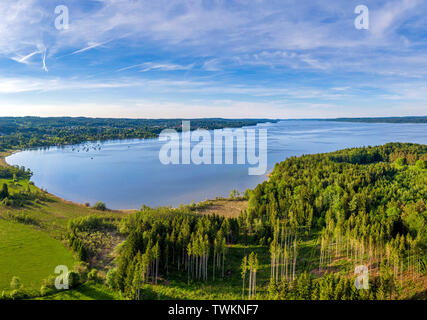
(250, 283)
(254, 283)
(223, 260)
(295, 257)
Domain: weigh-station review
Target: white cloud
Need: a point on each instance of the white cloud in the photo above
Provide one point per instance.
(210, 90)
(225, 109)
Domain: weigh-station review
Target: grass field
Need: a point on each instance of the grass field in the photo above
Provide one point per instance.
(52, 215)
(32, 251)
(29, 254)
(87, 291)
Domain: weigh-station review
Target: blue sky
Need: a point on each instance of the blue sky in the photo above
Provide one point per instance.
(213, 58)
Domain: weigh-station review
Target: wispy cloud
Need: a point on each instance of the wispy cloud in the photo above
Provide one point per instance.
(387, 19)
(26, 58)
(89, 47)
(149, 66)
(44, 61)
(27, 84)
(212, 65)
(165, 67)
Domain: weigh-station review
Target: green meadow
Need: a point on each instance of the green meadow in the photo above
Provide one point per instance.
(29, 254)
(32, 240)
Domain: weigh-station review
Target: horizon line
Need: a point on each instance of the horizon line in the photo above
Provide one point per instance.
(211, 118)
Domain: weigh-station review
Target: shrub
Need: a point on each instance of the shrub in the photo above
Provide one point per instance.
(234, 194)
(400, 161)
(73, 279)
(15, 284)
(111, 278)
(3, 295)
(45, 291)
(7, 202)
(17, 294)
(247, 193)
(91, 223)
(82, 270)
(93, 274)
(82, 252)
(49, 282)
(23, 218)
(100, 206)
(421, 164)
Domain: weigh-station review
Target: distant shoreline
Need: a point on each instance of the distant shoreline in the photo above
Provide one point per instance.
(396, 120)
(416, 120)
(386, 119)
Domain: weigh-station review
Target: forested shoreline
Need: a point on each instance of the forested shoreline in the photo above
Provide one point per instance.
(17, 133)
(29, 132)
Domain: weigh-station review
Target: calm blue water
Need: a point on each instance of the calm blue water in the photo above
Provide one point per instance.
(127, 174)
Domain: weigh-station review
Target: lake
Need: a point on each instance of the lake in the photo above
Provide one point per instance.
(125, 174)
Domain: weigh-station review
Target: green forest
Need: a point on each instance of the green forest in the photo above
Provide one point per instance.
(301, 236)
